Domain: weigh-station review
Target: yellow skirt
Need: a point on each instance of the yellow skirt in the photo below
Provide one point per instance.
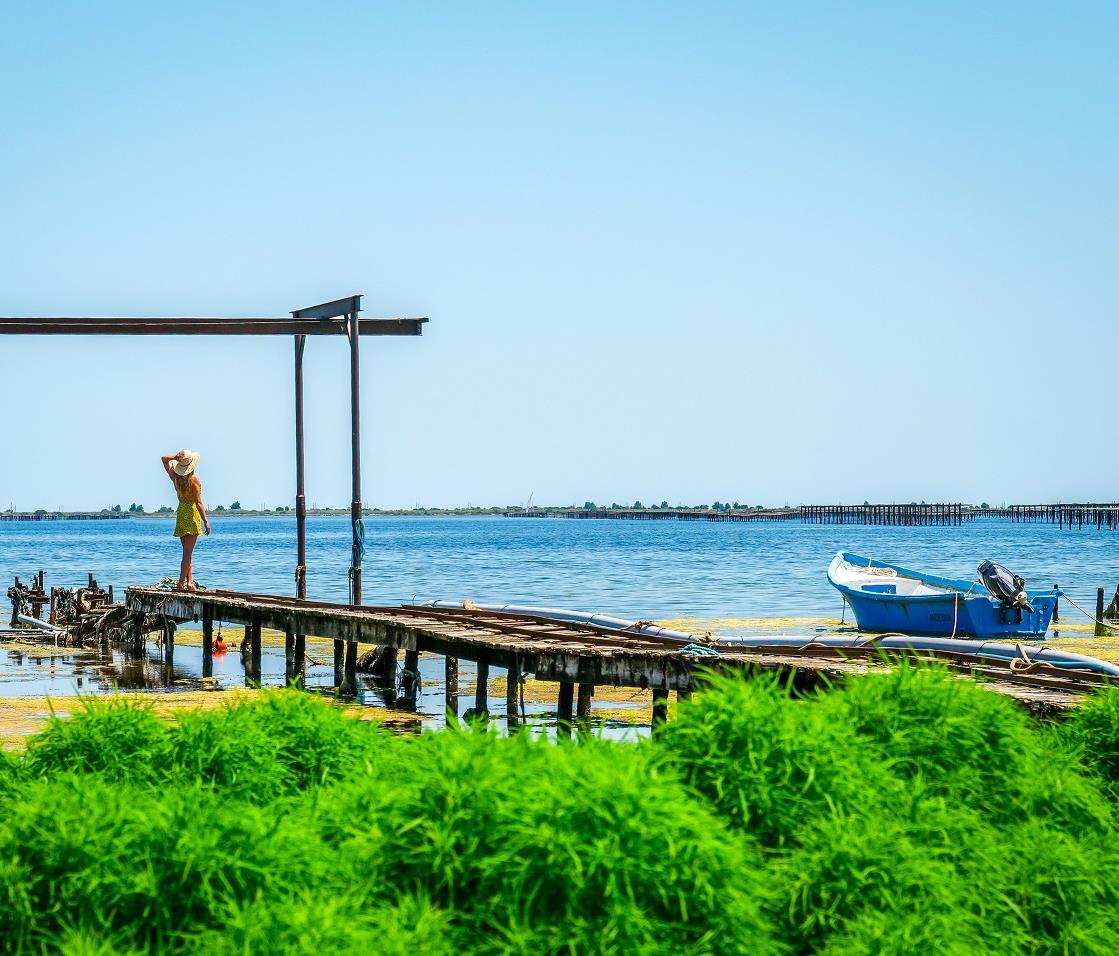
(187, 519)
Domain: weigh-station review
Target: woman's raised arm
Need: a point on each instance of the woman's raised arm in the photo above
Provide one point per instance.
(167, 459)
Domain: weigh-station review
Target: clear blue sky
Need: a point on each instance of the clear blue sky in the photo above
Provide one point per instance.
(765, 252)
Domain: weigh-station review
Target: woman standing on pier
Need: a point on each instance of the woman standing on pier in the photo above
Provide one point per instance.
(191, 513)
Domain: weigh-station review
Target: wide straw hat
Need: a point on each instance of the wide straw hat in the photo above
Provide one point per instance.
(187, 466)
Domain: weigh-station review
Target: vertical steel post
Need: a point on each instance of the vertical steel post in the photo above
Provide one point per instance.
(349, 682)
(300, 507)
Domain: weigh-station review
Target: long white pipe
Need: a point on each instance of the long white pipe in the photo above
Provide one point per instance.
(990, 649)
(41, 625)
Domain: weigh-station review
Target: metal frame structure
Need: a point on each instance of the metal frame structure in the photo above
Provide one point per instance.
(337, 317)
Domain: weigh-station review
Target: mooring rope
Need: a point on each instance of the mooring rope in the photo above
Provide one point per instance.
(698, 650)
(357, 553)
(1091, 617)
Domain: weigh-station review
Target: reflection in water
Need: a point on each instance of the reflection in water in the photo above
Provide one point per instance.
(29, 671)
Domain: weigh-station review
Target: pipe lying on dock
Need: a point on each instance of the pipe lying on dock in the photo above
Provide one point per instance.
(985, 649)
(40, 625)
(989, 649)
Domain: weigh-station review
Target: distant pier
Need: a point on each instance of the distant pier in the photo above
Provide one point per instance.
(659, 514)
(61, 515)
(1099, 516)
(893, 514)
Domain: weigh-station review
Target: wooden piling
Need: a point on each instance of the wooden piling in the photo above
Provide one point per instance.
(660, 708)
(254, 651)
(207, 642)
(564, 708)
(349, 669)
(1056, 606)
(512, 698)
(1101, 629)
(168, 652)
(482, 690)
(583, 706)
(450, 685)
(137, 635)
(410, 679)
(1111, 612)
(339, 662)
(387, 672)
(289, 656)
(300, 658)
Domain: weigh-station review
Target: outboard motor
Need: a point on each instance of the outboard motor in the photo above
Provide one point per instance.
(1009, 588)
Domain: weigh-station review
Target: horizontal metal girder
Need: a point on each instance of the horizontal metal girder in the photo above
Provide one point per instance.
(56, 325)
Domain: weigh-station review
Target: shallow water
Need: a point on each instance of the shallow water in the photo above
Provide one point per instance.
(723, 576)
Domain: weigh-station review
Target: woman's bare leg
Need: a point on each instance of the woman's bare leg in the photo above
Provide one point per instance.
(186, 571)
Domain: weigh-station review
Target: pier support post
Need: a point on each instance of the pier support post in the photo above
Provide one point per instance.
(299, 649)
(137, 636)
(1056, 607)
(1101, 629)
(289, 656)
(564, 708)
(339, 662)
(512, 698)
(353, 331)
(253, 661)
(410, 678)
(207, 641)
(300, 658)
(168, 653)
(583, 706)
(349, 670)
(450, 684)
(660, 709)
(390, 656)
(482, 691)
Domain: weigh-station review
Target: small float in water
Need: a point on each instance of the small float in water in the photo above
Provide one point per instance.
(887, 597)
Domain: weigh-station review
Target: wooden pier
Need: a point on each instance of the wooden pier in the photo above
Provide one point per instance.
(577, 657)
(892, 514)
(1098, 516)
(62, 515)
(867, 514)
(659, 514)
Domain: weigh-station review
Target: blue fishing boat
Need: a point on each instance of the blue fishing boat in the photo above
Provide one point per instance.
(886, 597)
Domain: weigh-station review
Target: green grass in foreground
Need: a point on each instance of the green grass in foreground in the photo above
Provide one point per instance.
(903, 813)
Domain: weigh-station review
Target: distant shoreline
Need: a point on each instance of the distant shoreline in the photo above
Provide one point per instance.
(44, 515)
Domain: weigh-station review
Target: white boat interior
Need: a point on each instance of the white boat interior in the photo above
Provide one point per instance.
(883, 581)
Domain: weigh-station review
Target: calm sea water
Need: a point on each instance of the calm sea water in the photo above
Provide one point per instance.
(722, 572)
(658, 569)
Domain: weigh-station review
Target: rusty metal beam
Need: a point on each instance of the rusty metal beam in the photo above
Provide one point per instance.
(335, 309)
(96, 325)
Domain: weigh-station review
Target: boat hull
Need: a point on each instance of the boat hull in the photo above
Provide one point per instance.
(958, 610)
(976, 616)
